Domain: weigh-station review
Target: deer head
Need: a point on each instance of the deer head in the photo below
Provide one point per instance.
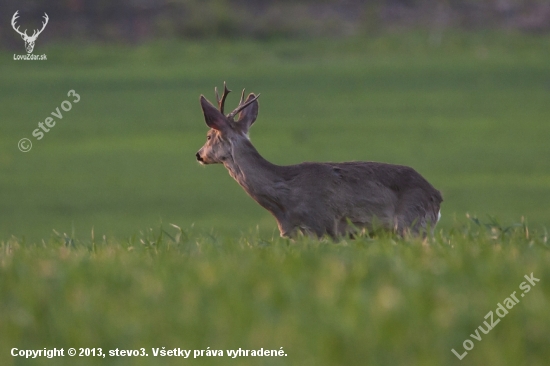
(225, 131)
(29, 40)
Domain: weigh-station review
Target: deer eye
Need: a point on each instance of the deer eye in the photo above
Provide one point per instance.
(208, 137)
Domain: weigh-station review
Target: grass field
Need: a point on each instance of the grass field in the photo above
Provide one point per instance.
(80, 266)
(379, 301)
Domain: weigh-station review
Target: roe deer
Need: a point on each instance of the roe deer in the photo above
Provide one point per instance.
(317, 198)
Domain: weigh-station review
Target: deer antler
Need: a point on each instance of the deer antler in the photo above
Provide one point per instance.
(37, 32)
(13, 20)
(221, 102)
(242, 106)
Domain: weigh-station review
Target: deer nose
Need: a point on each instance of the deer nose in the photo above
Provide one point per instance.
(198, 155)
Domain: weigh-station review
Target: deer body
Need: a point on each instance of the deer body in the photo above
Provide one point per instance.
(318, 198)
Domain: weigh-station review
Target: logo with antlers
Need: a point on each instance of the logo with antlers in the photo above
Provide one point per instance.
(29, 40)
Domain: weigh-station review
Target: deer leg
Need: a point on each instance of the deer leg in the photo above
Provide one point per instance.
(286, 230)
(410, 215)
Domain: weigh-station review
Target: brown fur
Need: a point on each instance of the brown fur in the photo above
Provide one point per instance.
(320, 199)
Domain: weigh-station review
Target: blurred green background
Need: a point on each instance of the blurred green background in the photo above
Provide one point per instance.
(122, 159)
(462, 99)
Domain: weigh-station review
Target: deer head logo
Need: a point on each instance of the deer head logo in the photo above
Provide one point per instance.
(29, 40)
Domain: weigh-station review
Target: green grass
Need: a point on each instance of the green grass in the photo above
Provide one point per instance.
(373, 301)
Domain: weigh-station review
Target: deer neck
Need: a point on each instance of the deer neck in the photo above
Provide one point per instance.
(254, 173)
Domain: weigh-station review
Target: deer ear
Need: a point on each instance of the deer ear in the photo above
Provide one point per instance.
(249, 114)
(212, 116)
